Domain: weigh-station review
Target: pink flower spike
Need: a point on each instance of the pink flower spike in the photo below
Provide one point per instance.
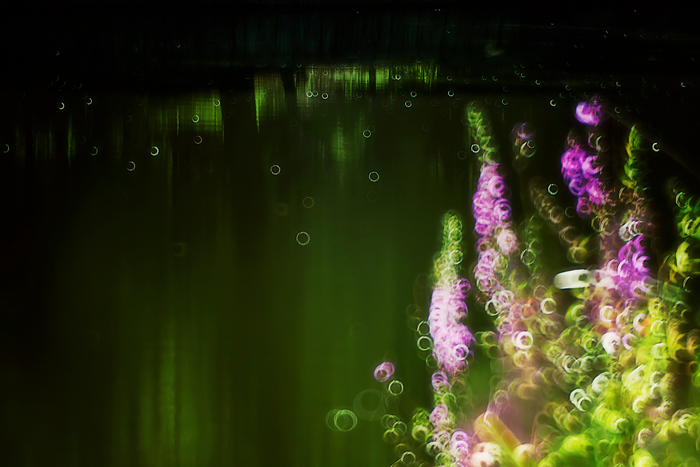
(440, 382)
(439, 417)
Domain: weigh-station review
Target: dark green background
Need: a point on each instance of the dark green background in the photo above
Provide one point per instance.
(166, 316)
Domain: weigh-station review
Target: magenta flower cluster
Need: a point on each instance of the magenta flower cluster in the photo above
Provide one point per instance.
(384, 371)
(589, 113)
(492, 213)
(491, 209)
(454, 443)
(451, 338)
(631, 270)
(581, 171)
(485, 271)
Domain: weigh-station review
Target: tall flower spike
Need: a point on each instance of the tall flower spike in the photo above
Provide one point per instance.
(451, 338)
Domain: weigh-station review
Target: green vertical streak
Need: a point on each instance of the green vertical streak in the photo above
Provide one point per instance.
(170, 339)
(364, 79)
(270, 101)
(169, 187)
(196, 425)
(316, 447)
(126, 388)
(338, 149)
(339, 142)
(148, 443)
(167, 394)
(209, 114)
(217, 117)
(383, 78)
(188, 404)
(218, 114)
(250, 455)
(430, 72)
(351, 84)
(227, 426)
(42, 143)
(258, 102)
(196, 397)
(352, 79)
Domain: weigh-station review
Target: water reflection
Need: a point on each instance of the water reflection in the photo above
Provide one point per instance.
(177, 319)
(210, 277)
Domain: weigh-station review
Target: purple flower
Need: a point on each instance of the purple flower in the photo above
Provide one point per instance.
(450, 337)
(637, 242)
(488, 258)
(595, 191)
(383, 371)
(502, 210)
(440, 417)
(483, 272)
(524, 132)
(572, 160)
(440, 382)
(588, 167)
(483, 201)
(624, 251)
(639, 261)
(577, 186)
(624, 269)
(484, 227)
(459, 449)
(462, 288)
(589, 114)
(495, 186)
